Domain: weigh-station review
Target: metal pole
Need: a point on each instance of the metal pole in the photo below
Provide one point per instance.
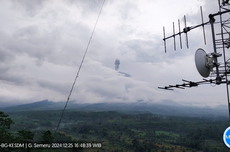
(218, 78)
(225, 66)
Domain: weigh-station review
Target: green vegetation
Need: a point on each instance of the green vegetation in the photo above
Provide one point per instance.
(114, 131)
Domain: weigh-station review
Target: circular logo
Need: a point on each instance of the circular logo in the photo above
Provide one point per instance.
(226, 137)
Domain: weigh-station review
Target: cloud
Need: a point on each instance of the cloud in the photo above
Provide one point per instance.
(42, 44)
(55, 86)
(31, 8)
(114, 89)
(6, 55)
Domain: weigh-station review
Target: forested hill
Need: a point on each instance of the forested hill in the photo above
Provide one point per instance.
(165, 108)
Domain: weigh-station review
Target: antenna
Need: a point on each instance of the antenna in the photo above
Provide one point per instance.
(188, 84)
(174, 37)
(202, 19)
(179, 33)
(204, 63)
(164, 38)
(186, 29)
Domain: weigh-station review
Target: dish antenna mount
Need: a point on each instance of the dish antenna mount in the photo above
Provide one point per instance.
(207, 64)
(204, 62)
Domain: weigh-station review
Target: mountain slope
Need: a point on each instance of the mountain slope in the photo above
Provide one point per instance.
(166, 107)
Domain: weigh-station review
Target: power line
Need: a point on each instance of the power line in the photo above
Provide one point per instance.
(86, 50)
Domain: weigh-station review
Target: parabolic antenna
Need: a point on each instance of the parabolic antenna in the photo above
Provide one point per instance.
(204, 63)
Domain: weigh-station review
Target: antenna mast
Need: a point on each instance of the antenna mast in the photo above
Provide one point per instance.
(225, 42)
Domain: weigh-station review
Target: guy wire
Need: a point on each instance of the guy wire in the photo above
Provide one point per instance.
(86, 50)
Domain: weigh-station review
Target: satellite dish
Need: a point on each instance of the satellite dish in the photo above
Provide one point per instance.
(204, 63)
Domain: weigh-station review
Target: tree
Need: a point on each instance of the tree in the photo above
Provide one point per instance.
(25, 136)
(47, 137)
(5, 136)
(5, 123)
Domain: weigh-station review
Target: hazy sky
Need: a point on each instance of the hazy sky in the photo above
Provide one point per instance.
(42, 43)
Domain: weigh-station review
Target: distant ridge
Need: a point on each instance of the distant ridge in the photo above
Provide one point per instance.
(166, 107)
(35, 106)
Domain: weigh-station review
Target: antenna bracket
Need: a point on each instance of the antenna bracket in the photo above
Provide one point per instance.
(186, 29)
(212, 19)
(218, 80)
(209, 62)
(214, 54)
(225, 2)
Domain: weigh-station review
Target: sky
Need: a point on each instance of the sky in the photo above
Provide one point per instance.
(42, 43)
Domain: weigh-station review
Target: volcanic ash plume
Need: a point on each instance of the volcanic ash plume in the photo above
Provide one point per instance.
(117, 63)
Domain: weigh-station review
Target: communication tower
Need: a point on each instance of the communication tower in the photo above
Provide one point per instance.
(208, 64)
